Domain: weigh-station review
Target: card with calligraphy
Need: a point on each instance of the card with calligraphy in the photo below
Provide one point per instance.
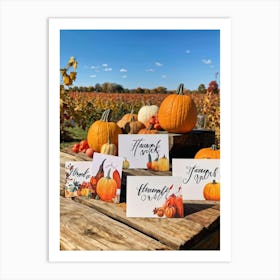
(106, 177)
(145, 151)
(200, 178)
(154, 197)
(77, 174)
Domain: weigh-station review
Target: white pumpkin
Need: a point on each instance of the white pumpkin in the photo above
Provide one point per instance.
(146, 112)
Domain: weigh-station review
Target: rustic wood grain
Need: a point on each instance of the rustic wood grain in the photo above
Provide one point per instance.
(176, 233)
(194, 231)
(83, 228)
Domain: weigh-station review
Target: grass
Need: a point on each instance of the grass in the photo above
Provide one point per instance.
(76, 134)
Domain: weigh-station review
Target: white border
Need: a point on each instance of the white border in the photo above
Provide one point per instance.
(55, 25)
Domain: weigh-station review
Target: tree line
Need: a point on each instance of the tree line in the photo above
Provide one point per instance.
(117, 88)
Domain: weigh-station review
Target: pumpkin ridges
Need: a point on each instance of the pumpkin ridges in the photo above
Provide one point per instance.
(98, 134)
(208, 153)
(177, 112)
(211, 191)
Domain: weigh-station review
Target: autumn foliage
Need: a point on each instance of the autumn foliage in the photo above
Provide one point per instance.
(82, 109)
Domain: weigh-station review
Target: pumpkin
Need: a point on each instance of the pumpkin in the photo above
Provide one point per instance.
(154, 122)
(101, 130)
(154, 164)
(160, 211)
(149, 163)
(133, 126)
(117, 178)
(163, 164)
(148, 130)
(211, 191)
(179, 206)
(146, 112)
(109, 148)
(170, 211)
(106, 188)
(208, 153)
(126, 118)
(177, 112)
(125, 164)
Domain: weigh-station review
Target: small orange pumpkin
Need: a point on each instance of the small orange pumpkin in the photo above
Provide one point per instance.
(106, 188)
(177, 112)
(211, 191)
(208, 153)
(170, 211)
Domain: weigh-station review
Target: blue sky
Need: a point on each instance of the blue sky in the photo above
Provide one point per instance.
(143, 58)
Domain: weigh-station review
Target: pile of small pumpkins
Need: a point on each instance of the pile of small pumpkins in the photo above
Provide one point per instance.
(177, 113)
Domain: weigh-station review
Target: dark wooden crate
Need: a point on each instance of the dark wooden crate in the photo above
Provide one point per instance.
(188, 144)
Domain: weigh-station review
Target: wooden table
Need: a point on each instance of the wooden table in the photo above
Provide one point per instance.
(88, 224)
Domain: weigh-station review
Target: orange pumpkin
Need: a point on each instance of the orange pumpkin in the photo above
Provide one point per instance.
(208, 153)
(170, 211)
(211, 191)
(106, 188)
(177, 112)
(101, 130)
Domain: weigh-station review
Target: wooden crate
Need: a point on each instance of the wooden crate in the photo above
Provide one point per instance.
(188, 144)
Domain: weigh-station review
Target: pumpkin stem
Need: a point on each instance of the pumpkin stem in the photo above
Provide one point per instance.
(108, 174)
(214, 182)
(180, 89)
(105, 115)
(149, 158)
(214, 147)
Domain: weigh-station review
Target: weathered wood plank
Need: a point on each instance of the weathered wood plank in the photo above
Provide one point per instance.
(201, 217)
(176, 233)
(83, 228)
(206, 213)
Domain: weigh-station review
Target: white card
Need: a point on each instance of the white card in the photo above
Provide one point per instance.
(77, 174)
(106, 167)
(195, 174)
(137, 147)
(154, 197)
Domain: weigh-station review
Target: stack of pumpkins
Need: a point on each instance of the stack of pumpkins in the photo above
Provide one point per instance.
(177, 113)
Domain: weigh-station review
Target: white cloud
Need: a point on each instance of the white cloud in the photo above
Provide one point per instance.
(206, 61)
(92, 76)
(105, 65)
(123, 70)
(108, 69)
(94, 67)
(124, 76)
(164, 76)
(188, 51)
(150, 70)
(158, 64)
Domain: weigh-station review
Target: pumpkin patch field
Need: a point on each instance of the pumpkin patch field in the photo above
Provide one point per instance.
(81, 109)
